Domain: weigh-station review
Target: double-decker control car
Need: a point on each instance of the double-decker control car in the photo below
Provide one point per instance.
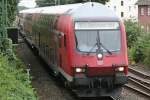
(85, 44)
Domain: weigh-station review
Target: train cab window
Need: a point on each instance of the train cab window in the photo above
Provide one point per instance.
(87, 32)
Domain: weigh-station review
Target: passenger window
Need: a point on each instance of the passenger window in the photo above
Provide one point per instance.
(59, 43)
(64, 40)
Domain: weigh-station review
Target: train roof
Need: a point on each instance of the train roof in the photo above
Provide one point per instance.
(78, 11)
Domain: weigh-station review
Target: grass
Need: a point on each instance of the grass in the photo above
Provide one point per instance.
(14, 82)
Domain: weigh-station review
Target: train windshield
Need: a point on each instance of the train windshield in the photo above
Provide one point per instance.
(109, 34)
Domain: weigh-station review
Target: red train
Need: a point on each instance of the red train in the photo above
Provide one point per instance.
(83, 43)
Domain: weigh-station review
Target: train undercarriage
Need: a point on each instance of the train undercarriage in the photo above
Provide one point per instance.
(98, 86)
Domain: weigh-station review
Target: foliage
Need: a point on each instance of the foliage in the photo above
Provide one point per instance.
(7, 21)
(53, 2)
(6, 48)
(138, 43)
(133, 31)
(136, 52)
(15, 83)
(100, 1)
(42, 3)
(11, 11)
(142, 49)
(146, 50)
(132, 55)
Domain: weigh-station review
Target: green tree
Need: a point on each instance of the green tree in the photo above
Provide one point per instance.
(53, 2)
(133, 31)
(7, 14)
(137, 42)
(100, 1)
(11, 11)
(8, 10)
(42, 3)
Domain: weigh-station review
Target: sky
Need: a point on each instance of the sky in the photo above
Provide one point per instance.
(27, 3)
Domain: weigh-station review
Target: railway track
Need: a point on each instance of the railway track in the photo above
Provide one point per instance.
(139, 82)
(138, 73)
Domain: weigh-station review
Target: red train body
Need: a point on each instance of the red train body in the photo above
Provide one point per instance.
(83, 43)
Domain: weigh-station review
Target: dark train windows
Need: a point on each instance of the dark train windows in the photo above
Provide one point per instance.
(64, 40)
(59, 43)
(29, 17)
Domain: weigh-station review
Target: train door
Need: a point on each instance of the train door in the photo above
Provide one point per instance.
(39, 40)
(62, 51)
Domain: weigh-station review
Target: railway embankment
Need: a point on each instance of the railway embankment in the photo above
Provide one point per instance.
(15, 84)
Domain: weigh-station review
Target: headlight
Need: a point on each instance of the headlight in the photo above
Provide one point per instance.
(99, 56)
(120, 69)
(79, 70)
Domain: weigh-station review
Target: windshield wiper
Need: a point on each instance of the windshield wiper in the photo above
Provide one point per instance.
(99, 45)
(106, 49)
(91, 49)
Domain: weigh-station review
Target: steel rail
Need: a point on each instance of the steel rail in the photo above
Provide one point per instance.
(137, 90)
(140, 81)
(139, 73)
(139, 85)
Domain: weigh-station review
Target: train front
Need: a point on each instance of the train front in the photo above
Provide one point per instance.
(99, 52)
(100, 58)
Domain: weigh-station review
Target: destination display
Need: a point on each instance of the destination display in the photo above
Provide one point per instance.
(96, 25)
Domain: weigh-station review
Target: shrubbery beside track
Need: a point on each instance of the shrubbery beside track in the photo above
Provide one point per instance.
(138, 43)
(14, 82)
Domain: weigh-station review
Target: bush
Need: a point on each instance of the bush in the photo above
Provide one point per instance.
(146, 50)
(131, 55)
(140, 51)
(14, 82)
(133, 31)
(6, 48)
(147, 54)
(136, 41)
